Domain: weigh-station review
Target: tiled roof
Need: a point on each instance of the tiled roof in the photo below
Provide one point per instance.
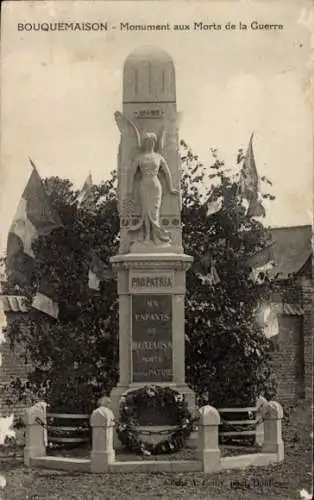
(13, 303)
(288, 309)
(290, 250)
(292, 247)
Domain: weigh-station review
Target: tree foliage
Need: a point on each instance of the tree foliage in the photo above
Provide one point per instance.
(75, 359)
(227, 353)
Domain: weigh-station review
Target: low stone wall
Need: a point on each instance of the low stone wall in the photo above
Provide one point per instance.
(102, 457)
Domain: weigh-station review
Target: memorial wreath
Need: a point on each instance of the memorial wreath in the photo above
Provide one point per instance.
(131, 405)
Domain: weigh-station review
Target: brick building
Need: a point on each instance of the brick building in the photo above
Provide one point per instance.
(292, 353)
(12, 362)
(293, 347)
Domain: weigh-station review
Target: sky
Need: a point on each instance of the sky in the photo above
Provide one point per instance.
(59, 91)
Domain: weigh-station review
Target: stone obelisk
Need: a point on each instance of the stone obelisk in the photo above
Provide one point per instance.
(151, 264)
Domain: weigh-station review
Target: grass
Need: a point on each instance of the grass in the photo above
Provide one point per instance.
(279, 481)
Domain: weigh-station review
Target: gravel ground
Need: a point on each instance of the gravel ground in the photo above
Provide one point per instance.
(280, 481)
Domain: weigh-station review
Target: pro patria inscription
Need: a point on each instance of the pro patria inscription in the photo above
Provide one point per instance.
(152, 338)
(152, 282)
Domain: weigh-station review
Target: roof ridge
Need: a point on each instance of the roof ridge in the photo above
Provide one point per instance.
(291, 227)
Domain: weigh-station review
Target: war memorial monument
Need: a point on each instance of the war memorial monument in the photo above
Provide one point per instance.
(151, 264)
(151, 267)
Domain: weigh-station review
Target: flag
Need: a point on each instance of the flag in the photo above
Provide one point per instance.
(98, 271)
(3, 322)
(214, 206)
(93, 280)
(267, 319)
(305, 495)
(259, 274)
(3, 276)
(249, 184)
(85, 189)
(3, 480)
(34, 217)
(262, 265)
(212, 277)
(44, 302)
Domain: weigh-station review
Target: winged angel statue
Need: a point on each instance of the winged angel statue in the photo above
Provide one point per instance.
(143, 165)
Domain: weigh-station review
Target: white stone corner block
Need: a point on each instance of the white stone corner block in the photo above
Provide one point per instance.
(102, 454)
(102, 417)
(104, 401)
(38, 411)
(261, 409)
(273, 442)
(275, 410)
(35, 432)
(209, 451)
(209, 416)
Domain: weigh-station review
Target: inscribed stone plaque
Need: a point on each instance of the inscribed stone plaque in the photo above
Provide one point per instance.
(151, 282)
(152, 338)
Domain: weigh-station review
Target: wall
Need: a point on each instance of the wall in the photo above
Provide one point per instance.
(12, 365)
(288, 359)
(293, 354)
(308, 335)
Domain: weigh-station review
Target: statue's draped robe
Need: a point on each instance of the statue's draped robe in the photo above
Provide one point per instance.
(149, 190)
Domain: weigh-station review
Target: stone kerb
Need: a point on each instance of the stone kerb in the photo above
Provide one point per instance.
(273, 442)
(35, 432)
(102, 454)
(209, 451)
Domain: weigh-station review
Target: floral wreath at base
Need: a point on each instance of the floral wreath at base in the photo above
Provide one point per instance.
(130, 407)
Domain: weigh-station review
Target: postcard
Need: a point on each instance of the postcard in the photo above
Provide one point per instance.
(178, 128)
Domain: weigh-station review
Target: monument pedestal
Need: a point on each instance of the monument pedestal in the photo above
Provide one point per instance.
(151, 290)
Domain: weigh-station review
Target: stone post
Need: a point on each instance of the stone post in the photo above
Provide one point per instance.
(208, 438)
(261, 410)
(272, 430)
(102, 454)
(35, 445)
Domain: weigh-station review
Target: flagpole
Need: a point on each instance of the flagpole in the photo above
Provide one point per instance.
(32, 163)
(35, 169)
(243, 159)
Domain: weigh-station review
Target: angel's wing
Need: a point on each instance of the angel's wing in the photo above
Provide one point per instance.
(161, 137)
(129, 149)
(126, 126)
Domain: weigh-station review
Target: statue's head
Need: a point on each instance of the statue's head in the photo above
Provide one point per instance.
(149, 141)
